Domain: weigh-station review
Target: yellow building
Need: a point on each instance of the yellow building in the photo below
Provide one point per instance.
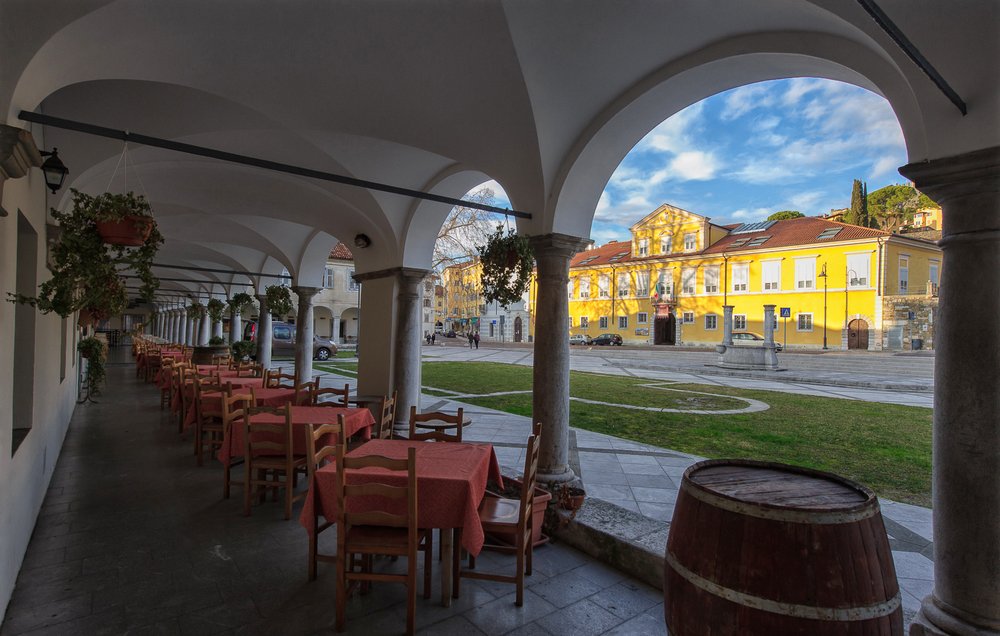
(462, 298)
(840, 285)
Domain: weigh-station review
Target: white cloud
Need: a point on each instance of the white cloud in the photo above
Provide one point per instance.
(798, 88)
(747, 214)
(744, 99)
(675, 134)
(695, 166)
(804, 201)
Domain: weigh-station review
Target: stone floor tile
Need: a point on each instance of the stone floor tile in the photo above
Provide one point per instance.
(567, 589)
(627, 599)
(583, 618)
(642, 625)
(502, 616)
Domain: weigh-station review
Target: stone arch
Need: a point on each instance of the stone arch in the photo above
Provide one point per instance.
(323, 322)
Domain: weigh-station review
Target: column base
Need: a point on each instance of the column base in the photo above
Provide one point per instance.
(555, 478)
(936, 618)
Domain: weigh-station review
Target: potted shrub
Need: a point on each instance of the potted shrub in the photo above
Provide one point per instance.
(123, 219)
(195, 311)
(512, 490)
(94, 350)
(242, 349)
(215, 309)
(85, 270)
(279, 300)
(507, 261)
(239, 302)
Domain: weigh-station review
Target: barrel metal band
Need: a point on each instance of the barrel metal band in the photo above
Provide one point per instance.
(815, 517)
(864, 613)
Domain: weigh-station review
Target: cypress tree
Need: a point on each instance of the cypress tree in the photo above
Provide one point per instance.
(855, 215)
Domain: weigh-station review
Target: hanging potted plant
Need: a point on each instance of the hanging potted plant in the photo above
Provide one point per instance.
(279, 300)
(215, 308)
(94, 351)
(196, 311)
(507, 261)
(123, 219)
(86, 272)
(239, 302)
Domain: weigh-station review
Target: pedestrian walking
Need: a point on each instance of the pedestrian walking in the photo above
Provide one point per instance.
(470, 339)
(433, 337)
(475, 338)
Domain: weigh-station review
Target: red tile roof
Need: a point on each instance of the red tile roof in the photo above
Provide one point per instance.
(792, 232)
(602, 255)
(341, 253)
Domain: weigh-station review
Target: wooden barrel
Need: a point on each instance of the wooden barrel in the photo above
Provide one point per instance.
(757, 548)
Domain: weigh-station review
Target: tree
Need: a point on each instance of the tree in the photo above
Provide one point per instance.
(858, 212)
(463, 230)
(785, 214)
(893, 206)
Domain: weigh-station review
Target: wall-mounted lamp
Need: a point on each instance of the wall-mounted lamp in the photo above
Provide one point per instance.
(55, 170)
(362, 241)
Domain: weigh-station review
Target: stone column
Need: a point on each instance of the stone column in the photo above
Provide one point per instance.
(336, 330)
(966, 479)
(264, 333)
(217, 328)
(178, 329)
(204, 333)
(768, 325)
(550, 380)
(727, 325)
(235, 326)
(186, 328)
(172, 325)
(304, 333)
(406, 366)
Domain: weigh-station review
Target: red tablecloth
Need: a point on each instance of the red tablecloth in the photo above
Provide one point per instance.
(451, 482)
(140, 359)
(355, 421)
(224, 372)
(265, 397)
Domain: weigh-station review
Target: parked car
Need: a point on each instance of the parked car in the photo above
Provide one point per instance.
(751, 338)
(450, 334)
(283, 340)
(580, 338)
(608, 339)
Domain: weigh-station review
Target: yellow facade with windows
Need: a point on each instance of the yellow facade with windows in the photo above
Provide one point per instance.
(462, 297)
(670, 282)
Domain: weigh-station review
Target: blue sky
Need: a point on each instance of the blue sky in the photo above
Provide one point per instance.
(740, 155)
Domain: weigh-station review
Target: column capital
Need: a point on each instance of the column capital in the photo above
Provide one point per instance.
(307, 292)
(18, 152)
(402, 273)
(961, 175)
(557, 244)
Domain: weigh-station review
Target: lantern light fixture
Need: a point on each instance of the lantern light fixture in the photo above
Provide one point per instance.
(54, 169)
(362, 241)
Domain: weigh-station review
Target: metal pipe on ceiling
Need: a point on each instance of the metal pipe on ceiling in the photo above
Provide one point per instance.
(275, 166)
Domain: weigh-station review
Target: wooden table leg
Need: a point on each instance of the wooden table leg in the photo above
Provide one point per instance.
(447, 538)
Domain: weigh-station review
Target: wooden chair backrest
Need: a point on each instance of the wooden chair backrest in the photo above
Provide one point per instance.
(305, 393)
(279, 380)
(221, 359)
(387, 417)
(267, 439)
(451, 433)
(316, 455)
(373, 488)
(202, 386)
(529, 479)
(339, 396)
(233, 411)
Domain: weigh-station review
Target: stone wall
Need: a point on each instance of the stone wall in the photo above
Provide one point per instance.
(905, 318)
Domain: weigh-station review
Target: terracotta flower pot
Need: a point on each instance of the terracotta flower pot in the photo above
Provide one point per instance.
(131, 231)
(539, 504)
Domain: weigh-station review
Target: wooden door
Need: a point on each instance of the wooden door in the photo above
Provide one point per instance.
(857, 335)
(664, 330)
(517, 329)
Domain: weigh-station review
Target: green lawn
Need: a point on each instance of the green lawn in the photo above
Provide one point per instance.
(884, 446)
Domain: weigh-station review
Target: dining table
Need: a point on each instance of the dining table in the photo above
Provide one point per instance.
(211, 401)
(451, 483)
(357, 421)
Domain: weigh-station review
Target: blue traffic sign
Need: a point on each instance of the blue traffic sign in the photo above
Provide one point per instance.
(786, 312)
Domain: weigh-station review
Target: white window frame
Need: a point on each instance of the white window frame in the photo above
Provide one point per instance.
(666, 243)
(329, 277)
(934, 271)
(739, 322)
(642, 284)
(860, 264)
(689, 275)
(666, 278)
(690, 241)
(904, 273)
(352, 284)
(687, 317)
(623, 322)
(642, 318)
(770, 275)
(623, 290)
(603, 322)
(741, 277)
(585, 287)
(801, 281)
(571, 322)
(569, 289)
(710, 279)
(604, 286)
(714, 320)
(798, 321)
(643, 248)
(584, 322)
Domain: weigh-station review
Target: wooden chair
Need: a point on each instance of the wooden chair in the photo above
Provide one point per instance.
(316, 456)
(279, 380)
(448, 428)
(377, 532)
(222, 359)
(166, 378)
(269, 458)
(386, 418)
(499, 514)
(154, 360)
(305, 393)
(208, 421)
(339, 396)
(233, 413)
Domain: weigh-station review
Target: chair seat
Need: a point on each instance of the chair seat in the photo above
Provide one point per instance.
(378, 539)
(276, 461)
(498, 511)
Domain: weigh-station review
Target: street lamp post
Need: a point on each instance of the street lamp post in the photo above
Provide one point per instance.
(822, 275)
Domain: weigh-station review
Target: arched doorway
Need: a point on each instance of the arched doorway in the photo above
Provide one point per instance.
(518, 329)
(665, 330)
(857, 334)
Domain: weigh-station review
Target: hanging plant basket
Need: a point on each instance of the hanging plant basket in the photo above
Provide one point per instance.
(215, 309)
(279, 300)
(507, 261)
(132, 231)
(239, 302)
(196, 311)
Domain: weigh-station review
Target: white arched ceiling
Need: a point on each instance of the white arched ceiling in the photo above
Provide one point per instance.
(529, 93)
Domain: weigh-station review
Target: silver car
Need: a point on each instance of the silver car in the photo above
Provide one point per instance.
(283, 341)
